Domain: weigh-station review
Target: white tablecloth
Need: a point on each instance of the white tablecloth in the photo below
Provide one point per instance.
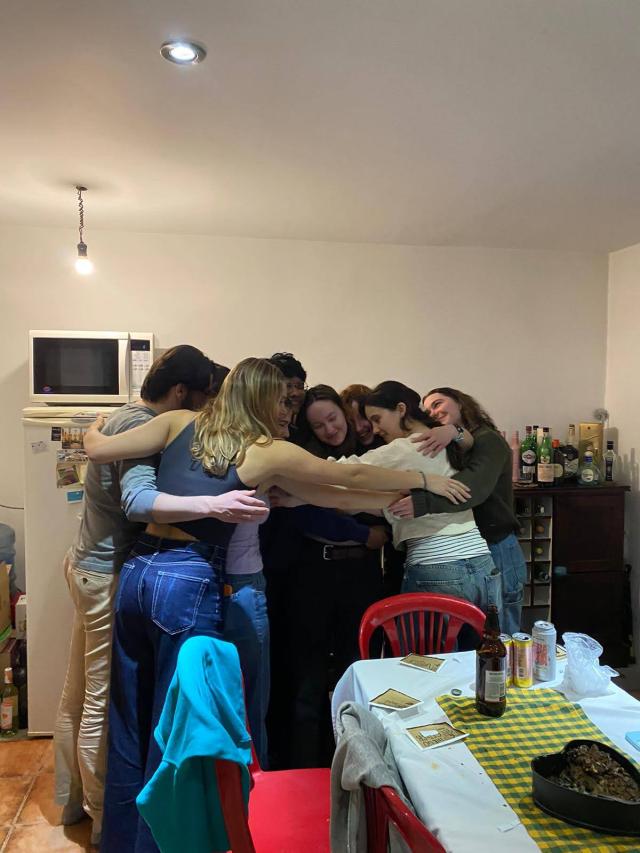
(451, 792)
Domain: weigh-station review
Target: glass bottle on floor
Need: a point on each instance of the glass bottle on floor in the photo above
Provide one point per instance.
(9, 707)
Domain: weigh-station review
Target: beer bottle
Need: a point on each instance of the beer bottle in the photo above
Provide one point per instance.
(491, 669)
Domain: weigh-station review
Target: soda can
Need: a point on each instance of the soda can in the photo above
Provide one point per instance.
(508, 644)
(544, 651)
(522, 660)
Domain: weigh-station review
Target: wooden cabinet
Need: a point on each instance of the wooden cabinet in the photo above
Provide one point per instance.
(572, 539)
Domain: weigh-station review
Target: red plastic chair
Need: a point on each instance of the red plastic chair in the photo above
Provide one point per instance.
(288, 809)
(383, 807)
(425, 623)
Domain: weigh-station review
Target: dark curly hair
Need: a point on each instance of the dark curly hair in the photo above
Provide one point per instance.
(289, 365)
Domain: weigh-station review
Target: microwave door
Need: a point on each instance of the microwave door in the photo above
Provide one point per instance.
(80, 369)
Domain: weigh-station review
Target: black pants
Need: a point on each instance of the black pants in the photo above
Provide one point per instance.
(328, 598)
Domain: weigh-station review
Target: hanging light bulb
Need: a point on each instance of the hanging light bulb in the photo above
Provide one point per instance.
(83, 264)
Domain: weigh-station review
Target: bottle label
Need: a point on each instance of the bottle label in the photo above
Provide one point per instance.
(6, 715)
(529, 457)
(545, 472)
(571, 467)
(558, 470)
(587, 476)
(495, 685)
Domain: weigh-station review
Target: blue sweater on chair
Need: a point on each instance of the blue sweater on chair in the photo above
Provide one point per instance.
(203, 719)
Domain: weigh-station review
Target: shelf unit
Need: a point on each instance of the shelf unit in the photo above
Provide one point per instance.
(572, 538)
(534, 510)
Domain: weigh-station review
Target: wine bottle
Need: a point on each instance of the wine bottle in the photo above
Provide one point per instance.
(545, 460)
(558, 463)
(527, 458)
(515, 456)
(9, 706)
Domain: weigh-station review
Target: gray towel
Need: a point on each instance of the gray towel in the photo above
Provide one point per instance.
(363, 756)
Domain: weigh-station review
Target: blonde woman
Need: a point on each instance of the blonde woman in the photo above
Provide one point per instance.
(170, 588)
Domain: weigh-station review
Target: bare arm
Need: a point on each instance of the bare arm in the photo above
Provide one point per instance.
(263, 463)
(232, 507)
(336, 497)
(144, 440)
(432, 441)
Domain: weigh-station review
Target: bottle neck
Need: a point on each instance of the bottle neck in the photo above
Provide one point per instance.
(492, 625)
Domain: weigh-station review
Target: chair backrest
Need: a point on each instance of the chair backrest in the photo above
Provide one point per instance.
(383, 807)
(424, 623)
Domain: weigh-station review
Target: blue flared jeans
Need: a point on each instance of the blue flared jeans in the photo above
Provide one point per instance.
(169, 591)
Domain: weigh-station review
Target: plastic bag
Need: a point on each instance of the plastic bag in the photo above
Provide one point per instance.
(583, 675)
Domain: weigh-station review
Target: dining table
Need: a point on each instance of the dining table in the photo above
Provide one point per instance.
(451, 792)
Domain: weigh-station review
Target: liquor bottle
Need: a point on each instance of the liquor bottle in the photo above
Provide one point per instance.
(570, 453)
(527, 458)
(558, 463)
(536, 441)
(515, 456)
(491, 668)
(9, 707)
(609, 462)
(545, 460)
(588, 474)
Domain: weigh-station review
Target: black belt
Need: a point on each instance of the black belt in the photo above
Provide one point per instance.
(344, 552)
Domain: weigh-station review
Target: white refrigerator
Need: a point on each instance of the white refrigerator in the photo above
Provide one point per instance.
(52, 516)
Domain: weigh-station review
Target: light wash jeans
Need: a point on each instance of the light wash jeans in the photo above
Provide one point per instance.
(246, 625)
(476, 579)
(509, 559)
(80, 737)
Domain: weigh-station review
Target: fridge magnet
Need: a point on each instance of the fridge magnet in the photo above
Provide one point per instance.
(75, 496)
(73, 438)
(66, 475)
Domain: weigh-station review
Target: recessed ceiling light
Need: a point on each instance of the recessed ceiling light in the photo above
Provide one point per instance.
(183, 52)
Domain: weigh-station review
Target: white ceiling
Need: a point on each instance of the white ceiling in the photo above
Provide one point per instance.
(503, 123)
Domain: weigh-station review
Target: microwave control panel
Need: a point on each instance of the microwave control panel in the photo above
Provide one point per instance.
(141, 349)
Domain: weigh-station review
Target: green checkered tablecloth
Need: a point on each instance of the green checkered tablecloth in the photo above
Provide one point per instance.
(535, 722)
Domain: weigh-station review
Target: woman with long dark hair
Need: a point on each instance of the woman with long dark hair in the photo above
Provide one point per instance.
(445, 553)
(487, 472)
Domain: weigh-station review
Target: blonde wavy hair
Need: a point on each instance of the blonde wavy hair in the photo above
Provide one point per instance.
(243, 413)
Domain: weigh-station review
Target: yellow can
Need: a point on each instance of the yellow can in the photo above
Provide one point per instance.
(508, 644)
(522, 660)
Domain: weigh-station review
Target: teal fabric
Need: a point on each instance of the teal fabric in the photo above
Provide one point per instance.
(203, 719)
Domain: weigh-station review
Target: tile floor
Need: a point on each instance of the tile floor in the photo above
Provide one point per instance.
(29, 819)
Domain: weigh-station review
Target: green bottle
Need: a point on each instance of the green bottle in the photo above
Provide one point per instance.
(9, 708)
(545, 460)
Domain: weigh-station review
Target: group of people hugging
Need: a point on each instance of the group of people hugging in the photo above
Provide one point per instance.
(274, 515)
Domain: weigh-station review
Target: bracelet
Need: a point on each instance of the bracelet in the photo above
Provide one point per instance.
(424, 480)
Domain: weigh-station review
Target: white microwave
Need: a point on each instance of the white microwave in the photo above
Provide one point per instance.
(87, 367)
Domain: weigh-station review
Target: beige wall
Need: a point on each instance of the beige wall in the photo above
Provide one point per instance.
(622, 397)
(523, 331)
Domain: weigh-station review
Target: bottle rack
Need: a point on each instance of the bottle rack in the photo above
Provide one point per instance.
(535, 515)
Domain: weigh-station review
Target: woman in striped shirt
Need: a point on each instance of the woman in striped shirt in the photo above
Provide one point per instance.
(445, 553)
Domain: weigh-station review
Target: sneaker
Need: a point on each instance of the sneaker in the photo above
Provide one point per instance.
(72, 813)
